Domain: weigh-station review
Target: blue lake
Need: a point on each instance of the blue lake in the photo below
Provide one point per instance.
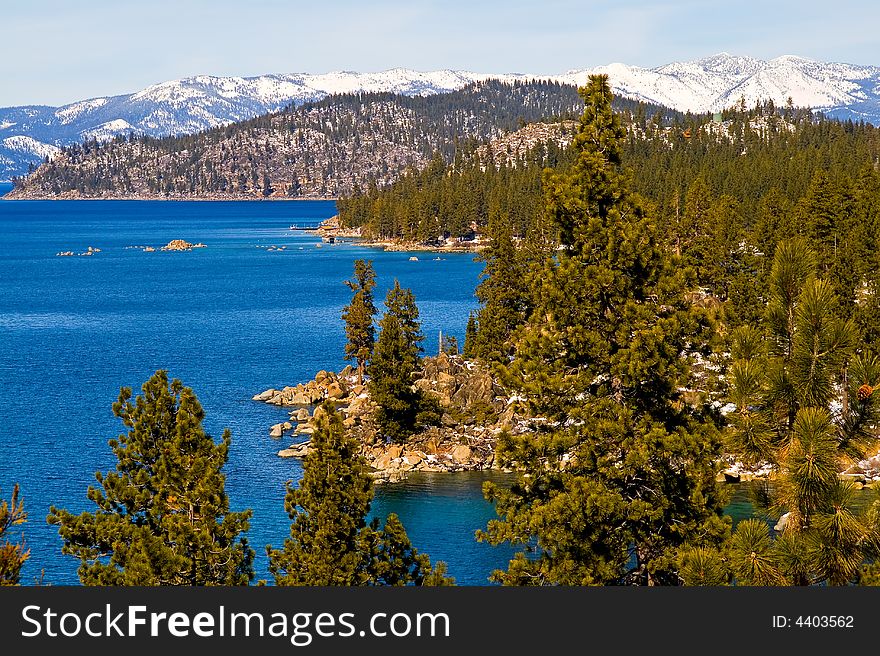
(229, 320)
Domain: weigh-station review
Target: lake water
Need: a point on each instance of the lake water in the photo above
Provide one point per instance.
(228, 320)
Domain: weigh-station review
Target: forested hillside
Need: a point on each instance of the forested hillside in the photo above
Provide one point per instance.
(725, 190)
(321, 149)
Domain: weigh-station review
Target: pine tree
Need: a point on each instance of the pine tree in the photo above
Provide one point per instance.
(13, 555)
(330, 541)
(470, 336)
(804, 400)
(503, 293)
(395, 360)
(358, 317)
(622, 477)
(163, 516)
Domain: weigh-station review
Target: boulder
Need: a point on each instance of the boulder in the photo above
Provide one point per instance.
(383, 461)
(359, 407)
(446, 386)
(276, 431)
(286, 425)
(302, 414)
(295, 451)
(395, 451)
(475, 388)
(265, 396)
(336, 391)
(461, 454)
(448, 420)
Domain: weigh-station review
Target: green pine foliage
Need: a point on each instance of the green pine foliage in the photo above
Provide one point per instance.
(13, 555)
(330, 542)
(162, 518)
(358, 316)
(396, 357)
(622, 477)
(802, 384)
(503, 294)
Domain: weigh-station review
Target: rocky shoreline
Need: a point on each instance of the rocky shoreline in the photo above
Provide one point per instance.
(331, 230)
(475, 411)
(474, 414)
(19, 194)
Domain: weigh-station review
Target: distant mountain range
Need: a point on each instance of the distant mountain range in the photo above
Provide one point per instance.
(29, 134)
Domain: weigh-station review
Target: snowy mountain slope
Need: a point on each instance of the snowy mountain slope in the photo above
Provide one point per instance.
(196, 103)
(717, 82)
(193, 104)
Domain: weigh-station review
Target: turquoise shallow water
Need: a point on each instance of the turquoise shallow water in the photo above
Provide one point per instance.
(229, 320)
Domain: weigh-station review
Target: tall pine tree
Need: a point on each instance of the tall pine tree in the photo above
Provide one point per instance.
(622, 476)
(395, 360)
(330, 541)
(358, 317)
(503, 293)
(163, 516)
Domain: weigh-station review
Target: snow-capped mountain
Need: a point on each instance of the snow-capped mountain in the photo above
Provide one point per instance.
(196, 103)
(720, 81)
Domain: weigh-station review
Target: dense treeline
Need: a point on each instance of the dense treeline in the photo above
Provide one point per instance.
(724, 192)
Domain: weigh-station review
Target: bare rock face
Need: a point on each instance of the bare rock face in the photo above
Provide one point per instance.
(459, 385)
(475, 389)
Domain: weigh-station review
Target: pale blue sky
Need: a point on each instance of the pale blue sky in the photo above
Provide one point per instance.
(58, 51)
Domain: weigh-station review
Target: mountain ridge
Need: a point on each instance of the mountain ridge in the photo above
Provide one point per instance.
(197, 103)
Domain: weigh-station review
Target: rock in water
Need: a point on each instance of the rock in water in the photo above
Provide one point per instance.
(181, 245)
(295, 451)
(265, 396)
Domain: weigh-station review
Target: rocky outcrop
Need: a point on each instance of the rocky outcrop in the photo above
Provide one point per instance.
(181, 245)
(325, 385)
(86, 253)
(460, 385)
(474, 413)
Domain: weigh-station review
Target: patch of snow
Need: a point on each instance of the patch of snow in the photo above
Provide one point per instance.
(70, 113)
(109, 130)
(31, 146)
